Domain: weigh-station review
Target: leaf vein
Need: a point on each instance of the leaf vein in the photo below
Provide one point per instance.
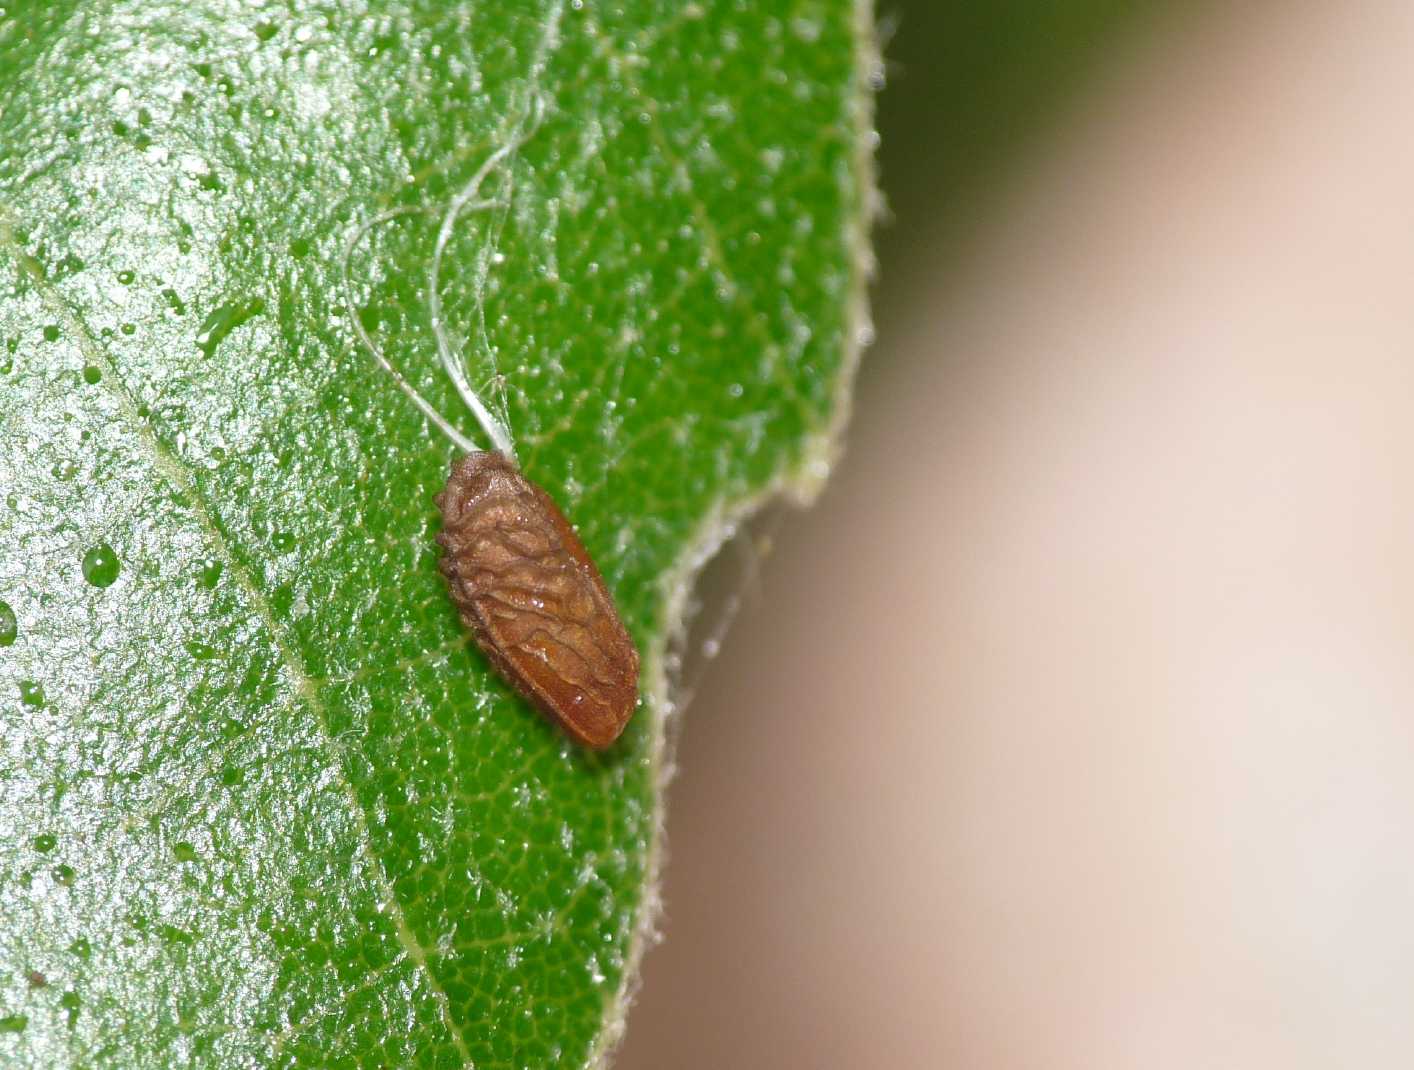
(180, 476)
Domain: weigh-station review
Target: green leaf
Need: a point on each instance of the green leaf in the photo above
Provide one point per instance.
(261, 801)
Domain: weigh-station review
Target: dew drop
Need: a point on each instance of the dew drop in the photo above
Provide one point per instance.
(91, 374)
(32, 693)
(9, 626)
(51, 332)
(46, 842)
(223, 320)
(126, 277)
(210, 572)
(199, 650)
(183, 851)
(283, 541)
(100, 565)
(70, 1002)
(63, 874)
(82, 948)
(175, 937)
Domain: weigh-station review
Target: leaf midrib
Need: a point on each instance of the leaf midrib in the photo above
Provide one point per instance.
(180, 476)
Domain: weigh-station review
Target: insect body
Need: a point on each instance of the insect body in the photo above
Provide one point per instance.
(518, 574)
(529, 592)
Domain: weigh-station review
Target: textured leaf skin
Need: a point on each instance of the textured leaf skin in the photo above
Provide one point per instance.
(261, 802)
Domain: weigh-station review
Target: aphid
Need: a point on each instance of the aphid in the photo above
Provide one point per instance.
(518, 574)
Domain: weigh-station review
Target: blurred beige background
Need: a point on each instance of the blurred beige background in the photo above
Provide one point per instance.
(1075, 728)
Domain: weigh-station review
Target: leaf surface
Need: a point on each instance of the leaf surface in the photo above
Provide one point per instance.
(261, 802)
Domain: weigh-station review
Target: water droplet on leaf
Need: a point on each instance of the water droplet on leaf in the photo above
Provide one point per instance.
(199, 650)
(210, 573)
(223, 320)
(70, 1002)
(175, 937)
(101, 566)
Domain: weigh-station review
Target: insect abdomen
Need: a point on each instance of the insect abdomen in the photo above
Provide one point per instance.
(525, 587)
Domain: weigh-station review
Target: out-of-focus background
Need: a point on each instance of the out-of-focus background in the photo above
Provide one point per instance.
(1075, 727)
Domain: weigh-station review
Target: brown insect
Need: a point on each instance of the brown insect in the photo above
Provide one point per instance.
(528, 591)
(520, 578)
